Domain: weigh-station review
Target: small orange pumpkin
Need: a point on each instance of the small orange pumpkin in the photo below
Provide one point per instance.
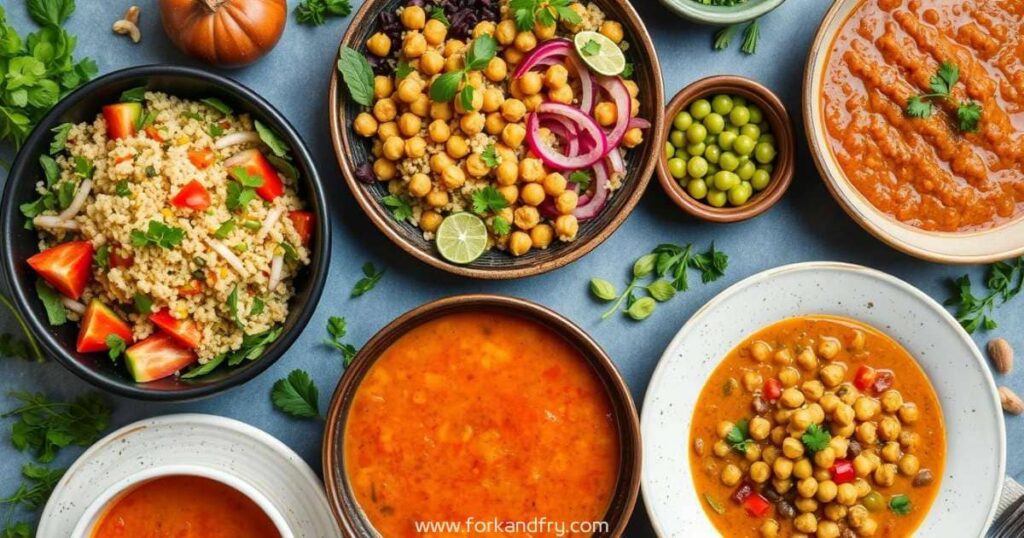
(226, 33)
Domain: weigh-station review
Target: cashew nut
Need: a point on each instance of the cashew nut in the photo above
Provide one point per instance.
(128, 25)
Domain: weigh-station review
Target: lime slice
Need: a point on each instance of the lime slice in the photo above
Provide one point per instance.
(461, 238)
(600, 53)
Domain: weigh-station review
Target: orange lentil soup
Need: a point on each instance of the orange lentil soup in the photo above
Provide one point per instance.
(817, 426)
(185, 507)
(480, 415)
(925, 172)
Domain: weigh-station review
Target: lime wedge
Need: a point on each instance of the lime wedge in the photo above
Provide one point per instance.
(461, 238)
(600, 53)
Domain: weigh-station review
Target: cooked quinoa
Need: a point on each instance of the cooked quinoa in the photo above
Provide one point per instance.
(133, 181)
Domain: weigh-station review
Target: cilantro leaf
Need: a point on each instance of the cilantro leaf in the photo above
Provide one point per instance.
(60, 138)
(55, 312)
(134, 95)
(296, 395)
(490, 156)
(50, 12)
(488, 199)
(158, 234)
(591, 48)
(500, 226)
(580, 178)
(143, 303)
(918, 108)
(944, 79)
(968, 115)
(816, 438)
(233, 306)
(739, 436)
(337, 327)
(371, 276)
(117, 346)
(400, 207)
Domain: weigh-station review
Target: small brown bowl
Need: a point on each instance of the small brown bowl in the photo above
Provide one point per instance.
(776, 115)
(352, 151)
(342, 500)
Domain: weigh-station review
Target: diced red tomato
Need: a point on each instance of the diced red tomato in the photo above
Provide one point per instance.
(185, 331)
(745, 489)
(157, 357)
(193, 196)
(842, 472)
(122, 119)
(201, 158)
(99, 322)
(864, 377)
(194, 287)
(756, 505)
(117, 260)
(123, 158)
(255, 164)
(772, 389)
(153, 133)
(303, 223)
(884, 380)
(67, 267)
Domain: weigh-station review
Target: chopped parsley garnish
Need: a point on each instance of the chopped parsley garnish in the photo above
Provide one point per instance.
(158, 234)
(739, 436)
(580, 178)
(501, 226)
(816, 438)
(490, 156)
(591, 48)
(400, 207)
(488, 199)
(968, 113)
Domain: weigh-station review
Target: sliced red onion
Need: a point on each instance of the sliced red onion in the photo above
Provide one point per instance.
(565, 130)
(78, 201)
(638, 123)
(546, 54)
(620, 95)
(615, 162)
(225, 253)
(590, 208)
(587, 91)
(585, 125)
(235, 139)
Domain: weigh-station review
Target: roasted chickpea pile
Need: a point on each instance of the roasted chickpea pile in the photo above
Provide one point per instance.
(829, 448)
(436, 157)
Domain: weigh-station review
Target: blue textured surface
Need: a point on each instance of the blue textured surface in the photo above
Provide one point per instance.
(806, 225)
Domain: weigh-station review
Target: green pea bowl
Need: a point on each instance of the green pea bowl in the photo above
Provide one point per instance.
(721, 15)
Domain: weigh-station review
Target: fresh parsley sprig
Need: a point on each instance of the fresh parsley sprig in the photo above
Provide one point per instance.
(488, 199)
(45, 426)
(739, 436)
(315, 12)
(158, 234)
(297, 395)
(27, 349)
(529, 13)
(445, 87)
(1004, 282)
(371, 276)
(968, 113)
(337, 328)
(816, 438)
(400, 207)
(751, 36)
(37, 484)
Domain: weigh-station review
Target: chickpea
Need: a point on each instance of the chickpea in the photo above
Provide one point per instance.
(863, 487)
(892, 400)
(409, 90)
(513, 110)
(415, 147)
(858, 340)
(724, 428)
(805, 505)
(891, 452)
(606, 115)
(806, 359)
(857, 516)
(496, 70)
(863, 465)
(848, 393)
(632, 87)
(437, 198)
(440, 161)
(409, 124)
(792, 398)
(556, 76)
(865, 408)
(834, 511)
(441, 111)
(825, 458)
(453, 47)
(813, 390)
(457, 147)
(910, 441)
(806, 523)
(846, 494)
(492, 100)
(525, 41)
(783, 357)
(868, 528)
(760, 472)
(545, 31)
(531, 170)
(420, 107)
(633, 137)
(519, 243)
(800, 421)
(807, 487)
(889, 428)
(783, 468)
(832, 375)
(430, 220)
(909, 465)
(867, 433)
(885, 475)
(721, 448)
(827, 529)
(566, 202)
(542, 235)
(414, 45)
(476, 166)
(505, 32)
(769, 529)
(513, 134)
(530, 83)
(510, 193)
(822, 475)
(483, 28)
(532, 194)
(419, 185)
(829, 402)
(379, 44)
(382, 86)
(753, 453)
(413, 17)
(752, 381)
(384, 169)
(760, 349)
(394, 148)
(782, 486)
(789, 377)
(770, 454)
(612, 30)
(385, 110)
(566, 226)
(431, 63)
(453, 177)
(513, 55)
(561, 95)
(472, 123)
(792, 448)
(581, 12)
(840, 446)
(438, 131)
(507, 173)
(826, 491)
(365, 124)
(434, 31)
(386, 130)
(783, 416)
(554, 184)
(527, 217)
(829, 347)
(376, 149)
(842, 431)
(909, 413)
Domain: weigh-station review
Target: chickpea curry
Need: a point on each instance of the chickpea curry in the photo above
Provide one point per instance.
(817, 426)
(480, 415)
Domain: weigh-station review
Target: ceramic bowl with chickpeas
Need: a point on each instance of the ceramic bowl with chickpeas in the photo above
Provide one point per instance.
(496, 148)
(822, 400)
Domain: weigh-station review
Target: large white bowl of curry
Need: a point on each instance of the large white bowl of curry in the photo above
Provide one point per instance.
(932, 187)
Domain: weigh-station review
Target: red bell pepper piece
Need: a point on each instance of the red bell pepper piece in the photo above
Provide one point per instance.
(201, 158)
(772, 389)
(67, 267)
(193, 196)
(884, 381)
(122, 119)
(153, 134)
(99, 322)
(194, 287)
(255, 164)
(745, 489)
(303, 223)
(864, 377)
(185, 331)
(842, 472)
(756, 505)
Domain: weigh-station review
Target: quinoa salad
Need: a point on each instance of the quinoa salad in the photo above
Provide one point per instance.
(170, 231)
(507, 121)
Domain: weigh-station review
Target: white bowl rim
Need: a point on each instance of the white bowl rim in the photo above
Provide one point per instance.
(96, 509)
(720, 15)
(659, 370)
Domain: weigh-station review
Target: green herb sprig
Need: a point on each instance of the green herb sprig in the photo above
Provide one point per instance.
(297, 395)
(44, 426)
(816, 438)
(446, 86)
(358, 75)
(315, 12)
(1004, 282)
(529, 13)
(337, 328)
(488, 199)
(751, 36)
(10, 346)
(158, 234)
(400, 207)
(371, 276)
(968, 113)
(739, 436)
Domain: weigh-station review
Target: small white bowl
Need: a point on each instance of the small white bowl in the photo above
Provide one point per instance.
(95, 511)
(721, 15)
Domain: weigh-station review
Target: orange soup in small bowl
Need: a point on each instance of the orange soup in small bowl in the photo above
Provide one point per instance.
(477, 415)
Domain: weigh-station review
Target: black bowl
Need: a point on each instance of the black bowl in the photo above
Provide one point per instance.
(18, 244)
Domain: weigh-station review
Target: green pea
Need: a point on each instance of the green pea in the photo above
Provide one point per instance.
(682, 121)
(728, 161)
(739, 194)
(717, 198)
(732, 129)
(721, 104)
(873, 502)
(766, 167)
(767, 137)
(739, 100)
(711, 140)
(700, 108)
(714, 122)
(756, 115)
(677, 138)
(740, 116)
(751, 130)
(726, 139)
(725, 180)
(697, 188)
(677, 167)
(746, 170)
(764, 152)
(669, 150)
(760, 179)
(712, 153)
(696, 133)
(712, 169)
(743, 145)
(682, 154)
(696, 149)
(697, 167)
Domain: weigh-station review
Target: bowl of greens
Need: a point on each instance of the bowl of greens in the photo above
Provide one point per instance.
(721, 12)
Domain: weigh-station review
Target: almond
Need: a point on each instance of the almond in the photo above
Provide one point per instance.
(1001, 353)
(1012, 403)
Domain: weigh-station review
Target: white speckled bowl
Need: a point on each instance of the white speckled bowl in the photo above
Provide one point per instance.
(976, 437)
(223, 449)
